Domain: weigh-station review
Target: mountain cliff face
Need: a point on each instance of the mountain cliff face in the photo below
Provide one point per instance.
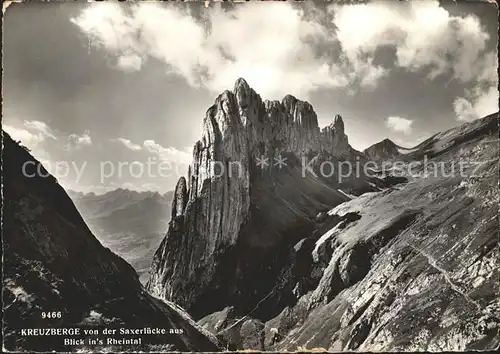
(235, 219)
(130, 223)
(52, 262)
(275, 259)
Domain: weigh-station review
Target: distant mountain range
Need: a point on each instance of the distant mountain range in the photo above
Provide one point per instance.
(129, 222)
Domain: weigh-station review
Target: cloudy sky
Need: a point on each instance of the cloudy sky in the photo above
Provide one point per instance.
(89, 85)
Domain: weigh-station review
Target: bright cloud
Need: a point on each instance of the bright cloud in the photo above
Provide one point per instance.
(478, 103)
(131, 62)
(280, 48)
(32, 135)
(41, 128)
(424, 35)
(130, 145)
(167, 154)
(399, 124)
(25, 136)
(268, 44)
(483, 99)
(33, 132)
(272, 43)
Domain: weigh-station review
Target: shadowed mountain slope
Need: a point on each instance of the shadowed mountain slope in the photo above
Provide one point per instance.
(52, 262)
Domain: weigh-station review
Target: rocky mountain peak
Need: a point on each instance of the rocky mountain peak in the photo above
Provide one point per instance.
(302, 112)
(338, 123)
(210, 212)
(243, 118)
(289, 103)
(382, 150)
(387, 142)
(334, 139)
(241, 86)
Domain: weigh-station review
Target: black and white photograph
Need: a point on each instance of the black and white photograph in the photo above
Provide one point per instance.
(250, 176)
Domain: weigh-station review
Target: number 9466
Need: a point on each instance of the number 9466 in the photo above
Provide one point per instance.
(52, 314)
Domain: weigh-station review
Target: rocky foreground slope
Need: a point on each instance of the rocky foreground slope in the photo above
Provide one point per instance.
(52, 263)
(281, 260)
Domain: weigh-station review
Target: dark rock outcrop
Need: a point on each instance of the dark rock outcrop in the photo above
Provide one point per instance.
(53, 263)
